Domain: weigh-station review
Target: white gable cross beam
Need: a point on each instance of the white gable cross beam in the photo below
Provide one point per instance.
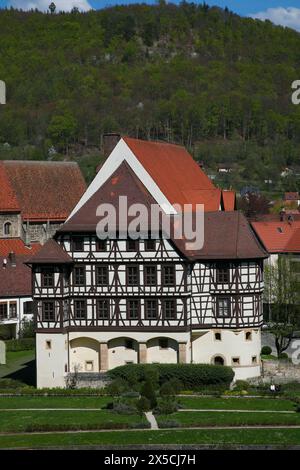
(2, 92)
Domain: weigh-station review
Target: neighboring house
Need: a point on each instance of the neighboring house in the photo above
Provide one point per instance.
(15, 293)
(280, 235)
(103, 303)
(36, 197)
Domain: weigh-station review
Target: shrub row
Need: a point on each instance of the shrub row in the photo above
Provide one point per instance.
(20, 344)
(190, 375)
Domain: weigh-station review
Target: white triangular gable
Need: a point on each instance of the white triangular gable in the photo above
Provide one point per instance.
(122, 153)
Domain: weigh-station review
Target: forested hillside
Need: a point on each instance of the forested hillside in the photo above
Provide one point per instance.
(200, 76)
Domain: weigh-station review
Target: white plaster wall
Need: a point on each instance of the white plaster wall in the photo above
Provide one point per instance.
(233, 344)
(51, 362)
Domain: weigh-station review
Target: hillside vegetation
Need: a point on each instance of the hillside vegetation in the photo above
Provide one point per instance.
(205, 77)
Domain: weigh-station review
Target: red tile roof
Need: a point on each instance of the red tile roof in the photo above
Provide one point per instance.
(51, 253)
(8, 199)
(17, 246)
(41, 190)
(229, 200)
(176, 173)
(279, 236)
(15, 281)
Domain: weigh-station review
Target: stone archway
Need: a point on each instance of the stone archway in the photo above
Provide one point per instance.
(121, 351)
(162, 350)
(84, 355)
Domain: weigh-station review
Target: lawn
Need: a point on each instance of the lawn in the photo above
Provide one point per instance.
(272, 404)
(26, 421)
(53, 402)
(282, 437)
(199, 418)
(20, 365)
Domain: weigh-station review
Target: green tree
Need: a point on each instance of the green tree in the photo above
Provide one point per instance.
(62, 130)
(282, 295)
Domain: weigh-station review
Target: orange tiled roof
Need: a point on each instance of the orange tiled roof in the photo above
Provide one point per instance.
(176, 173)
(16, 245)
(40, 190)
(279, 236)
(8, 199)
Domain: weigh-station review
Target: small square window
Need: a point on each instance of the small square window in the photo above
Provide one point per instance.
(48, 344)
(254, 359)
(89, 366)
(222, 274)
(236, 361)
(248, 336)
(218, 337)
(163, 343)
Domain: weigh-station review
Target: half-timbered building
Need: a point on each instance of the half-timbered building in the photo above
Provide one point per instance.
(100, 303)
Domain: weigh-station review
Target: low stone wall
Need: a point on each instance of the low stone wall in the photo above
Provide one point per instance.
(86, 379)
(279, 372)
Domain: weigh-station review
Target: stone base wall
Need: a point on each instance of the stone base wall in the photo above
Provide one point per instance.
(278, 372)
(81, 380)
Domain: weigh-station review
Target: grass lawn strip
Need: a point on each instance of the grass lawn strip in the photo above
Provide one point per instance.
(175, 436)
(53, 402)
(27, 421)
(16, 361)
(268, 404)
(199, 418)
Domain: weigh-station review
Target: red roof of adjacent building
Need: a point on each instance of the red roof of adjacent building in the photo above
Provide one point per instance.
(8, 199)
(17, 246)
(176, 173)
(279, 236)
(15, 280)
(40, 190)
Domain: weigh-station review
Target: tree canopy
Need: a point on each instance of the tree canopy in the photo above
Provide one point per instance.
(187, 73)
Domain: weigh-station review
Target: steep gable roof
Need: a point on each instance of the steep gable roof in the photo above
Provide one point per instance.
(167, 171)
(122, 182)
(175, 171)
(41, 190)
(51, 253)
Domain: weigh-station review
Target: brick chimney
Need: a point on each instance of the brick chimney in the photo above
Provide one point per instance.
(12, 259)
(109, 141)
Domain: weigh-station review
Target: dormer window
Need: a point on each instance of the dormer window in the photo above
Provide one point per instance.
(7, 228)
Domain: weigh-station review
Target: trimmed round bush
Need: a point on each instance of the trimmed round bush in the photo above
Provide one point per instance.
(191, 376)
(241, 385)
(283, 356)
(266, 350)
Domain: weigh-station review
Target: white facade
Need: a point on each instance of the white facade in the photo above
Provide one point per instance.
(14, 312)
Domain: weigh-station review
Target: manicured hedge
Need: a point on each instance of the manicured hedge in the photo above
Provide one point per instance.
(20, 344)
(190, 375)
